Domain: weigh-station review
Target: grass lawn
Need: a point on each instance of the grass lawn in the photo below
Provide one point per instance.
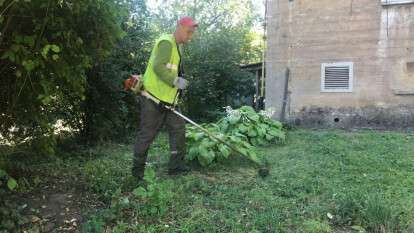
(320, 181)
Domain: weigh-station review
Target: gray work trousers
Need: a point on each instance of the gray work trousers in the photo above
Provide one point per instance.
(152, 117)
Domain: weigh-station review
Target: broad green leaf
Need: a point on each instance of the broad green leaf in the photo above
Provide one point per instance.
(205, 157)
(55, 48)
(224, 126)
(29, 65)
(254, 141)
(140, 192)
(234, 119)
(260, 131)
(125, 201)
(254, 157)
(252, 132)
(192, 153)
(46, 100)
(55, 57)
(198, 136)
(253, 116)
(11, 183)
(243, 151)
(79, 41)
(224, 151)
(221, 136)
(269, 137)
(247, 109)
(261, 141)
(277, 124)
(243, 128)
(246, 144)
(207, 142)
(149, 175)
(45, 51)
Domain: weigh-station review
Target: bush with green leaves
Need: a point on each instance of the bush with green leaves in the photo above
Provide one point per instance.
(242, 128)
(258, 128)
(46, 50)
(207, 150)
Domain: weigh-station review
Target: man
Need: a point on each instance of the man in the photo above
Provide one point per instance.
(163, 80)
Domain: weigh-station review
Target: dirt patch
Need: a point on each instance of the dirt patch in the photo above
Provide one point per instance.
(57, 205)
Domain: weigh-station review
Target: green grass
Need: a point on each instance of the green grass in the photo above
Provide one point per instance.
(362, 180)
(320, 181)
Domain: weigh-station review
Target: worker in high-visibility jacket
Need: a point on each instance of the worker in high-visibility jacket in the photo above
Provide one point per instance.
(163, 79)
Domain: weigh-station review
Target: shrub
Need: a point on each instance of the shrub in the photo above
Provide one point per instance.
(242, 128)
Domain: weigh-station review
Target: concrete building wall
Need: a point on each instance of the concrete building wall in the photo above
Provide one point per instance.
(379, 40)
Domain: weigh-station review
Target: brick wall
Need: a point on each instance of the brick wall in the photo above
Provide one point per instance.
(378, 39)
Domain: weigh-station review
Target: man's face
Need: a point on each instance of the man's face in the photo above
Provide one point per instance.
(185, 33)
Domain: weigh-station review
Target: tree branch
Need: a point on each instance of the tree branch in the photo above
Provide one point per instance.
(9, 19)
(7, 7)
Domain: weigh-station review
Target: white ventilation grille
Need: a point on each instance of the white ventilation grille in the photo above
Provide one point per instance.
(337, 77)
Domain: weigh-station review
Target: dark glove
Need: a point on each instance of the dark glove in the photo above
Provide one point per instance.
(180, 83)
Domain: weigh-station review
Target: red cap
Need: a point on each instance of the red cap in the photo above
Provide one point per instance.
(187, 21)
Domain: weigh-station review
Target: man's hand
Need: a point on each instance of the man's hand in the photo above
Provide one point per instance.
(180, 83)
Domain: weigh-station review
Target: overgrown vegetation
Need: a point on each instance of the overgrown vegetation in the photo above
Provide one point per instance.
(243, 128)
(320, 181)
(62, 65)
(46, 50)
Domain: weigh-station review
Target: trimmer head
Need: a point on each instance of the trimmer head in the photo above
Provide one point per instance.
(264, 172)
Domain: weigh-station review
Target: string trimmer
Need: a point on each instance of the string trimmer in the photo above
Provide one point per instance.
(134, 83)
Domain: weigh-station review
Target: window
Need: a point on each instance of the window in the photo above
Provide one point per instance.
(337, 77)
(395, 2)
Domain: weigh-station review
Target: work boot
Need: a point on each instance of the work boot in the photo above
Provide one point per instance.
(183, 169)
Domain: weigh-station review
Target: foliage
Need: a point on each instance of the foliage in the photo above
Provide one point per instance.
(371, 210)
(313, 176)
(11, 218)
(206, 150)
(155, 197)
(212, 59)
(211, 63)
(46, 48)
(259, 129)
(348, 209)
(106, 171)
(7, 180)
(111, 113)
(242, 128)
(315, 226)
(147, 201)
